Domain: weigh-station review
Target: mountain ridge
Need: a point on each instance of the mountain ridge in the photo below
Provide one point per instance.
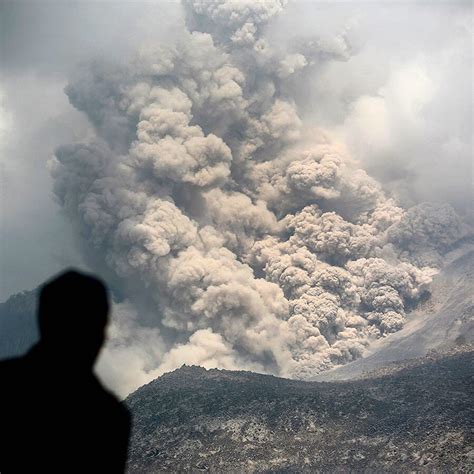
(415, 417)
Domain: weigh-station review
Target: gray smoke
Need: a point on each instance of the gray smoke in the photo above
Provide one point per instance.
(258, 241)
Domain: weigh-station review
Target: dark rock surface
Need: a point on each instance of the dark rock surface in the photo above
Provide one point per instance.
(415, 416)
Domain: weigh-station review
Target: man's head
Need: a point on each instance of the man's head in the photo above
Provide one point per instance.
(72, 316)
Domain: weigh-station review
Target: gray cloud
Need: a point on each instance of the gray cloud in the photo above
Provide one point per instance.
(402, 101)
(41, 44)
(259, 238)
(214, 177)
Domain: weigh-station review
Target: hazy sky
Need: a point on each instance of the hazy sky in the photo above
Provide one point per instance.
(41, 45)
(402, 103)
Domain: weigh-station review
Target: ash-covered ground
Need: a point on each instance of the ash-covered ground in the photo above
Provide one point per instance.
(414, 416)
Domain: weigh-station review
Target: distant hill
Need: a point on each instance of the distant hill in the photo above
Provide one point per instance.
(415, 417)
(18, 328)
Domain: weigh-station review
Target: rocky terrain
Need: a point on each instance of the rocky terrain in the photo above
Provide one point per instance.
(18, 327)
(414, 416)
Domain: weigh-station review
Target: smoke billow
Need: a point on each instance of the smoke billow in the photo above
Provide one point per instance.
(258, 241)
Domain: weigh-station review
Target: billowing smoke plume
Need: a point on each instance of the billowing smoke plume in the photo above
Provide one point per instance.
(257, 240)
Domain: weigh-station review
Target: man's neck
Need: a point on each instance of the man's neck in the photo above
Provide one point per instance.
(52, 359)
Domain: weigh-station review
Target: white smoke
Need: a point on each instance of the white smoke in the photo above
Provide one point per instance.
(131, 353)
(258, 241)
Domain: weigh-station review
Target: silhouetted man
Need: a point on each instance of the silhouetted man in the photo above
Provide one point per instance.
(55, 416)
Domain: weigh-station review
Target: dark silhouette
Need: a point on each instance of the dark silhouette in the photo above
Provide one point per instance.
(55, 416)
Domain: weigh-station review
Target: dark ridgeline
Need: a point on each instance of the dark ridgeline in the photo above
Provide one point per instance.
(55, 416)
(412, 416)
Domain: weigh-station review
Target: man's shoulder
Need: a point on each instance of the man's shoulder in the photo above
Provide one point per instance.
(14, 375)
(10, 362)
(11, 367)
(120, 409)
(114, 404)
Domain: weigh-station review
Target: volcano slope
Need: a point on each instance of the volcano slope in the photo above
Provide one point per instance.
(444, 320)
(412, 416)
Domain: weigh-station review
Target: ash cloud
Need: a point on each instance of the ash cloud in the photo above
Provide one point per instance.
(259, 241)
